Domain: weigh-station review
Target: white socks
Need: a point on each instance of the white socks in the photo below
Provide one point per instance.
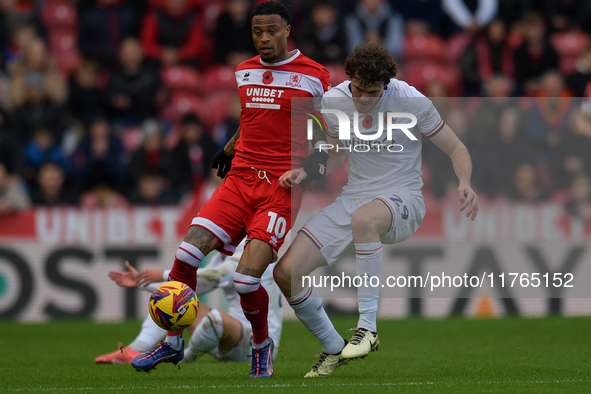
(176, 342)
(149, 336)
(307, 306)
(189, 254)
(206, 336)
(370, 259)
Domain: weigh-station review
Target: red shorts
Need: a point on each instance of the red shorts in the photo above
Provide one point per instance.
(250, 203)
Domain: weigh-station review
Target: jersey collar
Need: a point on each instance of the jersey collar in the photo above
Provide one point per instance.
(291, 58)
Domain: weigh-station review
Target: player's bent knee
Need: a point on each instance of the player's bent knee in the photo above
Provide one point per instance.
(245, 284)
(282, 276)
(361, 223)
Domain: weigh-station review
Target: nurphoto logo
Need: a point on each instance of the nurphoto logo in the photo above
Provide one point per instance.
(364, 142)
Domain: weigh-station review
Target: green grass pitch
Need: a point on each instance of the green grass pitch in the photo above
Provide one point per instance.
(416, 355)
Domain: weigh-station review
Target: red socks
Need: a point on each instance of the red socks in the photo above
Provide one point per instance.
(256, 308)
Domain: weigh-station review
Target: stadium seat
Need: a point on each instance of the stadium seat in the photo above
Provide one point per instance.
(59, 15)
(64, 50)
(569, 45)
(219, 106)
(220, 78)
(181, 104)
(418, 74)
(211, 12)
(337, 73)
(423, 47)
(182, 79)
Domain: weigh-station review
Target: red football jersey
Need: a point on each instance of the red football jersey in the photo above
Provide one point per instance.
(266, 90)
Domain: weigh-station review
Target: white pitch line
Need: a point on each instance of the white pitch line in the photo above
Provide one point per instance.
(287, 385)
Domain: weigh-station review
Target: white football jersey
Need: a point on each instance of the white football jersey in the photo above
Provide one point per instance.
(373, 168)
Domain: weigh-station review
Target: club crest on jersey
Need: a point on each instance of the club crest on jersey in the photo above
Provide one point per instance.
(295, 80)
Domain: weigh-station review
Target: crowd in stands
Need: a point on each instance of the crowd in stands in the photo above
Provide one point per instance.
(116, 102)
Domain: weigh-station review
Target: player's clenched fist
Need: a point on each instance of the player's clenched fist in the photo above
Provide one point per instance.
(222, 162)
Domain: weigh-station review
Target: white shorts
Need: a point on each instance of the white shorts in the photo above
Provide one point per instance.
(242, 351)
(330, 229)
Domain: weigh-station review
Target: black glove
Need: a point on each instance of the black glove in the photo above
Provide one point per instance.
(315, 166)
(222, 162)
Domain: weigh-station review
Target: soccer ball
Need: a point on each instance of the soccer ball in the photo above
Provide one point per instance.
(173, 306)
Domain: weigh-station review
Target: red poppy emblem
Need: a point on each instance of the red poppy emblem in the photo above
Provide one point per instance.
(267, 77)
(367, 121)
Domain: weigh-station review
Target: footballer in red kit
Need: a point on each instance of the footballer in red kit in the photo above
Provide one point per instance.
(250, 202)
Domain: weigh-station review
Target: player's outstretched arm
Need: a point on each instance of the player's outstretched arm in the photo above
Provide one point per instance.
(447, 141)
(335, 158)
(126, 279)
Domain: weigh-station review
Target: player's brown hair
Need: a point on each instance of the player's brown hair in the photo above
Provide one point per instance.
(371, 64)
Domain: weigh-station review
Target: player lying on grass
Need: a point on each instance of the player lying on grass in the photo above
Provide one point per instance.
(226, 336)
(381, 203)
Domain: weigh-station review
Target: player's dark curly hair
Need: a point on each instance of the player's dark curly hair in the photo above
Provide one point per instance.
(271, 8)
(371, 64)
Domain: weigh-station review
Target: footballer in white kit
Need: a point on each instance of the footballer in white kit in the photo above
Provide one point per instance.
(382, 201)
(376, 173)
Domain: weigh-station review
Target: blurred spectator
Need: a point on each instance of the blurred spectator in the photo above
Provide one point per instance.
(579, 204)
(37, 109)
(511, 10)
(51, 187)
(191, 157)
(36, 61)
(323, 36)
(535, 56)
(225, 131)
(135, 90)
(577, 81)
(233, 35)
(14, 13)
(151, 156)
(548, 118)
(428, 11)
(43, 148)
(152, 189)
(22, 36)
(103, 25)
(485, 121)
(100, 158)
(10, 154)
(375, 21)
(487, 55)
(471, 16)
(102, 196)
(494, 168)
(172, 32)
(84, 99)
(4, 87)
(526, 186)
(13, 195)
(568, 14)
(569, 158)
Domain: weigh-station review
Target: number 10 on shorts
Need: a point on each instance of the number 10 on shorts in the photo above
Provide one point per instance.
(276, 225)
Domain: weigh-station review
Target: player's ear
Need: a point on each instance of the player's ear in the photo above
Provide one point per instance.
(287, 30)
